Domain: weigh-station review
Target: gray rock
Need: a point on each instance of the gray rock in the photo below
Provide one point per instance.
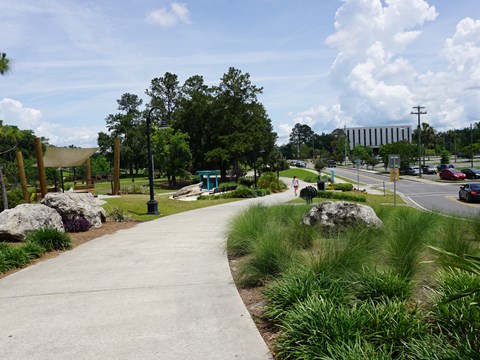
(71, 205)
(331, 214)
(189, 191)
(16, 223)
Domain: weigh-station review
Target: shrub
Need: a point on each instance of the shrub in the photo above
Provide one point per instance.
(15, 197)
(51, 239)
(270, 181)
(118, 214)
(246, 181)
(341, 196)
(342, 186)
(310, 179)
(134, 189)
(79, 224)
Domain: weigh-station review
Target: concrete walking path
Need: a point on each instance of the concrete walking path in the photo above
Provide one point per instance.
(160, 290)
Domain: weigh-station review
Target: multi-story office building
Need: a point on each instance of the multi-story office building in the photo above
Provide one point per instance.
(378, 135)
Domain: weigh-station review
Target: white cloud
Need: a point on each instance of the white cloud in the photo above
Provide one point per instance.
(322, 118)
(12, 112)
(164, 17)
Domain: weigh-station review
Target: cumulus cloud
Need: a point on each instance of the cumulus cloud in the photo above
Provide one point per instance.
(371, 71)
(13, 112)
(165, 17)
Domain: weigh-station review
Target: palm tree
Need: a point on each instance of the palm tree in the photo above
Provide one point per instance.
(4, 64)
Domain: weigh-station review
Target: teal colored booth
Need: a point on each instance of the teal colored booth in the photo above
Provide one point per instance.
(204, 176)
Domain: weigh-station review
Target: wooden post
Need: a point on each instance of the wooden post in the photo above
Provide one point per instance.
(23, 178)
(88, 172)
(116, 167)
(41, 168)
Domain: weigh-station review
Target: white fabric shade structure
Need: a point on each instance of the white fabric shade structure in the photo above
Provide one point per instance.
(61, 157)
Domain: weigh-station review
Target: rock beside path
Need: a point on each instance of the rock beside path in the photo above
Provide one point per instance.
(71, 206)
(16, 223)
(341, 213)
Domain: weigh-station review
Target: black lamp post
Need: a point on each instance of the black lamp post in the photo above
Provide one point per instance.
(152, 204)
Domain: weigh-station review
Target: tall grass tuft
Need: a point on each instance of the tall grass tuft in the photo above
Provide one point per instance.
(14, 257)
(33, 249)
(51, 239)
(270, 255)
(458, 316)
(383, 285)
(452, 237)
(408, 232)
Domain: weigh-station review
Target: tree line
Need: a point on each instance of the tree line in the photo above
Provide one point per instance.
(209, 127)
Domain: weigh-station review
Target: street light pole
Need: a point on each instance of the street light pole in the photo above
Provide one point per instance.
(152, 204)
(419, 129)
(346, 140)
(471, 145)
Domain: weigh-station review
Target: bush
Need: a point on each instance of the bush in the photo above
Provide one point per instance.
(270, 181)
(310, 179)
(341, 196)
(134, 189)
(14, 197)
(246, 181)
(118, 214)
(79, 224)
(342, 186)
(51, 239)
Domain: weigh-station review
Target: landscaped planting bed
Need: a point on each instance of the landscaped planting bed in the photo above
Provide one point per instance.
(358, 292)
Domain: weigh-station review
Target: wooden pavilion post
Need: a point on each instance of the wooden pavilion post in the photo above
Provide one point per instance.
(116, 167)
(23, 178)
(88, 172)
(41, 168)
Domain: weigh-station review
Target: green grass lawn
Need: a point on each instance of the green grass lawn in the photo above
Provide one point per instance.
(136, 205)
(299, 173)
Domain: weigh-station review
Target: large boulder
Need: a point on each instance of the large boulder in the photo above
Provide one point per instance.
(331, 214)
(16, 223)
(71, 206)
(194, 190)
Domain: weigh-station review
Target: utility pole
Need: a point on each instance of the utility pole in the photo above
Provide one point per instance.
(346, 140)
(471, 144)
(419, 129)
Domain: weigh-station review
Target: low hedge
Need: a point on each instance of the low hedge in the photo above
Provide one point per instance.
(340, 196)
(241, 192)
(340, 186)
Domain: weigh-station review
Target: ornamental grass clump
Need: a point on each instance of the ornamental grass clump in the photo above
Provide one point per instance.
(51, 239)
(118, 214)
(14, 257)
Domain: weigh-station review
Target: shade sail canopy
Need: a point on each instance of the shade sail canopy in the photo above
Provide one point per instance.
(66, 157)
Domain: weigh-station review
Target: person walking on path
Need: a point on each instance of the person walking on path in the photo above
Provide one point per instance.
(295, 184)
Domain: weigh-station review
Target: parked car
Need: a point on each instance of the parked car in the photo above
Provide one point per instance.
(331, 163)
(429, 169)
(412, 170)
(444, 166)
(470, 192)
(301, 164)
(471, 173)
(451, 174)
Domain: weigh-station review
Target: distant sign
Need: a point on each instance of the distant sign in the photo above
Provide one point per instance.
(394, 161)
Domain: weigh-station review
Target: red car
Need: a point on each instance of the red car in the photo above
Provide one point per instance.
(451, 174)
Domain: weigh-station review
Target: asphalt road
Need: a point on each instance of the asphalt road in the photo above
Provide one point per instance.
(423, 193)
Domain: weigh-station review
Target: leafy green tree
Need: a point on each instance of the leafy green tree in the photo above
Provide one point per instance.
(171, 153)
(301, 134)
(362, 152)
(471, 150)
(4, 64)
(165, 95)
(407, 151)
(130, 127)
(194, 115)
(444, 157)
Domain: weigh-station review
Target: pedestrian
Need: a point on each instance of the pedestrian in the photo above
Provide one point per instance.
(295, 184)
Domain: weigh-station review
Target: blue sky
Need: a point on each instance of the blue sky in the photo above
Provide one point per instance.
(325, 63)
